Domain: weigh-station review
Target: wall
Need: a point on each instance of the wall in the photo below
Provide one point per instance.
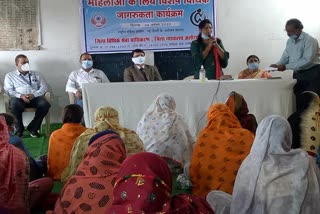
(245, 27)
(60, 21)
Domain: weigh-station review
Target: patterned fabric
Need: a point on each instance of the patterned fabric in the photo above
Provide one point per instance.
(14, 174)
(144, 185)
(248, 74)
(305, 123)
(275, 178)
(239, 108)
(90, 189)
(60, 146)
(221, 147)
(164, 132)
(105, 118)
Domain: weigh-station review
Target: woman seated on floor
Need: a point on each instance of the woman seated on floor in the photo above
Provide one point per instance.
(253, 71)
(37, 167)
(144, 185)
(239, 108)
(17, 194)
(90, 189)
(163, 131)
(305, 123)
(275, 178)
(62, 140)
(221, 147)
(105, 118)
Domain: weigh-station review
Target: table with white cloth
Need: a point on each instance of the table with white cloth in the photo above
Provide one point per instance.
(193, 98)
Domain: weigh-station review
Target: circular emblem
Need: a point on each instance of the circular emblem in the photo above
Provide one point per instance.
(197, 16)
(98, 21)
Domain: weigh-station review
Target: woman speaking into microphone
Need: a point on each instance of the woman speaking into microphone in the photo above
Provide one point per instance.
(209, 52)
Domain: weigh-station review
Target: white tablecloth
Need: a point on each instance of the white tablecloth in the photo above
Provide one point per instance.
(264, 97)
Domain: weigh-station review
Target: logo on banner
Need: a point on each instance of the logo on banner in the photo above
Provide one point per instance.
(197, 16)
(98, 21)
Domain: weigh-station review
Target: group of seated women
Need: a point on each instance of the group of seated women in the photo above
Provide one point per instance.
(236, 164)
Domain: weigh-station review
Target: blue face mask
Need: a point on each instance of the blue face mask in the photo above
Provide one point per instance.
(253, 66)
(87, 64)
(294, 37)
(204, 36)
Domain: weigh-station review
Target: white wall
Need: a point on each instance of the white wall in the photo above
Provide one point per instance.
(257, 27)
(245, 27)
(60, 21)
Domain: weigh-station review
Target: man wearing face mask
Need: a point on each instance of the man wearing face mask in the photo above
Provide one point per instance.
(86, 74)
(26, 90)
(139, 71)
(302, 56)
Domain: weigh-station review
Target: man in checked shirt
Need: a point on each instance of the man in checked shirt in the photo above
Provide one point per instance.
(26, 90)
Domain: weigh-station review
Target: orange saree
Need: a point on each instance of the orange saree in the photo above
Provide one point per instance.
(60, 146)
(221, 146)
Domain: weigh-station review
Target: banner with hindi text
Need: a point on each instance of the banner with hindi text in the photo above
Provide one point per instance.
(111, 26)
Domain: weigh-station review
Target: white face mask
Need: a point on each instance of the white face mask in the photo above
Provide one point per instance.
(25, 67)
(204, 36)
(138, 60)
(86, 64)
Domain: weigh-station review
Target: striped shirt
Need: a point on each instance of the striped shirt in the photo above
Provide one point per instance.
(300, 54)
(15, 84)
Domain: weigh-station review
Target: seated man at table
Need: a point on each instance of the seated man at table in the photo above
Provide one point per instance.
(140, 71)
(26, 90)
(86, 74)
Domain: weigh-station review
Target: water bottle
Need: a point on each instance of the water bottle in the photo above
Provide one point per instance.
(202, 74)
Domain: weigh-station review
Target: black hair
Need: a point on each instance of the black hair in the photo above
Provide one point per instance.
(10, 119)
(137, 51)
(84, 54)
(201, 25)
(296, 23)
(72, 113)
(18, 57)
(252, 56)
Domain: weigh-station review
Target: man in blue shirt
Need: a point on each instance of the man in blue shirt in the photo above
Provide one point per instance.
(302, 56)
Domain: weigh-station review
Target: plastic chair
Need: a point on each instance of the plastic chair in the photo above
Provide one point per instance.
(4, 103)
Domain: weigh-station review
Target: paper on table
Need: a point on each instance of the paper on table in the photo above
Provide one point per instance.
(270, 69)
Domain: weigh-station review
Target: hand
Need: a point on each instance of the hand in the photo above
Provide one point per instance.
(212, 42)
(78, 95)
(225, 77)
(281, 68)
(25, 98)
(30, 96)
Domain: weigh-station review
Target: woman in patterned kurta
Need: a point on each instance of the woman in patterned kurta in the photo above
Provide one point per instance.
(305, 123)
(90, 189)
(221, 147)
(62, 140)
(164, 132)
(105, 118)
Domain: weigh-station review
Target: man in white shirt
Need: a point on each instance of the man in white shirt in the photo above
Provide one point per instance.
(26, 89)
(87, 74)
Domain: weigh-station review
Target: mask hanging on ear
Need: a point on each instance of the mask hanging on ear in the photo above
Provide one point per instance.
(204, 36)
